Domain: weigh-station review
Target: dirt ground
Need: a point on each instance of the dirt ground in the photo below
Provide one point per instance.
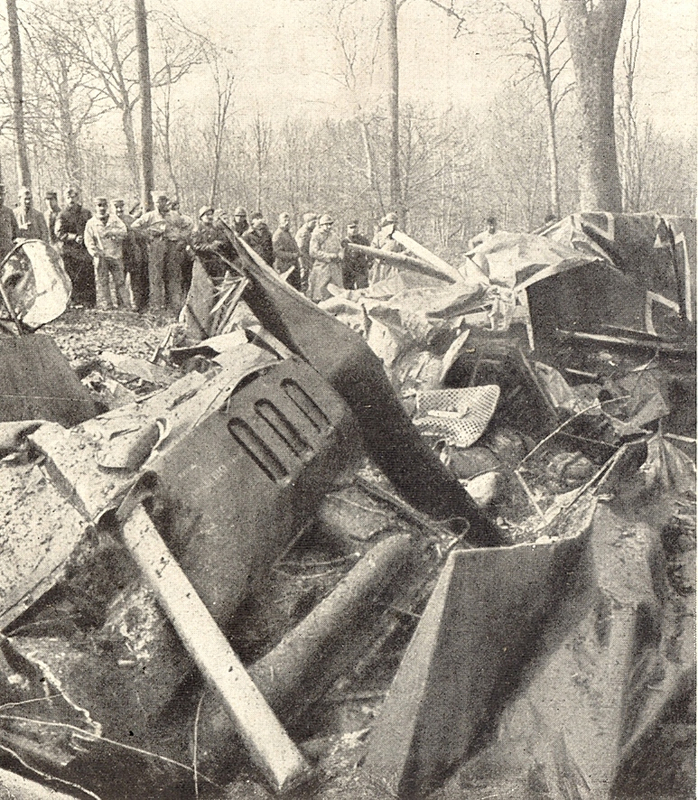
(83, 334)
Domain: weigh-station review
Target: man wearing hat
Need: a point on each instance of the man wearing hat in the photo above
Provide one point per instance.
(30, 222)
(164, 289)
(240, 223)
(104, 237)
(70, 232)
(8, 226)
(135, 258)
(286, 252)
(383, 240)
(52, 209)
(484, 235)
(179, 229)
(356, 264)
(258, 236)
(208, 243)
(303, 235)
(326, 251)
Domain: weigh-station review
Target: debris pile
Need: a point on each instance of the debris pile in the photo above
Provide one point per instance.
(434, 537)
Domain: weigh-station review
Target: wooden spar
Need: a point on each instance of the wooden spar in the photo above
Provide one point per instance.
(426, 255)
(401, 260)
(265, 739)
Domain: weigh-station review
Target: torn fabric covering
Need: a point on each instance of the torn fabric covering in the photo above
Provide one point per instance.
(657, 252)
(629, 403)
(36, 283)
(395, 323)
(518, 259)
(39, 722)
(667, 469)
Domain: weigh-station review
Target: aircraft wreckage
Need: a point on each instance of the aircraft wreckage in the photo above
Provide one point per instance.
(436, 536)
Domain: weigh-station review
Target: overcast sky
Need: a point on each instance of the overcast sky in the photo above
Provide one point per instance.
(284, 54)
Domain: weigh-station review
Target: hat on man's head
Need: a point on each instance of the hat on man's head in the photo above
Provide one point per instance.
(240, 211)
(119, 202)
(51, 195)
(391, 217)
(205, 210)
(309, 216)
(354, 223)
(326, 219)
(158, 195)
(101, 199)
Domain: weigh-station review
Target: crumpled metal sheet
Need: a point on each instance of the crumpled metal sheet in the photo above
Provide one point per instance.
(36, 283)
(40, 722)
(38, 537)
(73, 456)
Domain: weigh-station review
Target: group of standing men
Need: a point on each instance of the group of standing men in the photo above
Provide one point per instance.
(157, 247)
(95, 249)
(100, 250)
(316, 256)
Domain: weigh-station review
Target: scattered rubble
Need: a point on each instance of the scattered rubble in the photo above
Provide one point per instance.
(435, 537)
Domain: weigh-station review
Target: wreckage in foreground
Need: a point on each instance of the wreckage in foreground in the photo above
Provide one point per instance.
(550, 662)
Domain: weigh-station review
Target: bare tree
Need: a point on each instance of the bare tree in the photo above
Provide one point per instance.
(23, 174)
(59, 106)
(148, 171)
(357, 41)
(106, 47)
(162, 124)
(261, 134)
(391, 9)
(630, 164)
(545, 54)
(593, 32)
(224, 82)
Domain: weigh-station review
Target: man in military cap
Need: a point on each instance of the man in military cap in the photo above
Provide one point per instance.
(356, 264)
(52, 209)
(70, 231)
(383, 240)
(303, 235)
(8, 226)
(104, 237)
(286, 252)
(326, 251)
(258, 236)
(209, 242)
(135, 257)
(240, 223)
(31, 223)
(164, 290)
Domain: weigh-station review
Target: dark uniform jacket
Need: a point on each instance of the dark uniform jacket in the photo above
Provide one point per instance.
(208, 243)
(9, 231)
(260, 241)
(356, 265)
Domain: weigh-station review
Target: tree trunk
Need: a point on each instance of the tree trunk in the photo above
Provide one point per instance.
(71, 150)
(370, 165)
(593, 35)
(394, 103)
(552, 160)
(23, 175)
(147, 170)
(131, 147)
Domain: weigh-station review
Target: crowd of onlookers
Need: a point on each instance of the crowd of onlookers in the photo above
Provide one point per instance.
(140, 260)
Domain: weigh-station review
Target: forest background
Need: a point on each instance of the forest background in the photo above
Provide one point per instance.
(285, 105)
